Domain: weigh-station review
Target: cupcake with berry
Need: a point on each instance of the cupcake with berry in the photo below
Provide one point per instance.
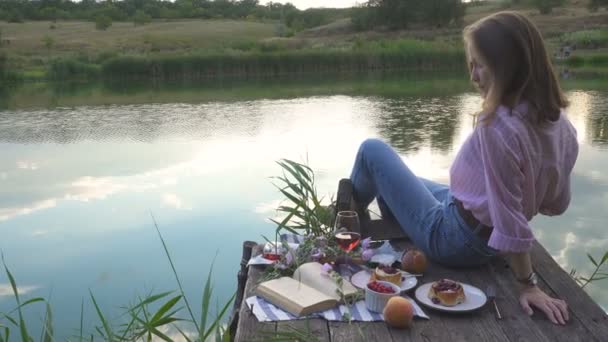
(387, 273)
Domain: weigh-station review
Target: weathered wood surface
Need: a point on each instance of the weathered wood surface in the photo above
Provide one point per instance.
(248, 328)
(588, 322)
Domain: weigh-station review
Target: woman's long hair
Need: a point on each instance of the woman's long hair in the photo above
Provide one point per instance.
(511, 46)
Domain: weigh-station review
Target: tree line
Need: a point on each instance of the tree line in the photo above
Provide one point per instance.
(142, 11)
(401, 14)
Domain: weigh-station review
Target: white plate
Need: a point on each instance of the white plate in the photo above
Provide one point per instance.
(361, 278)
(474, 299)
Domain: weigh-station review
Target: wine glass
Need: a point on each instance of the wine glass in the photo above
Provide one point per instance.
(346, 230)
(273, 250)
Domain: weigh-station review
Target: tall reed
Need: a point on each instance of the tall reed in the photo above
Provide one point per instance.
(386, 55)
(72, 69)
(142, 323)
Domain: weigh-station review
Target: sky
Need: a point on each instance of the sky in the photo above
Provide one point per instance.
(304, 4)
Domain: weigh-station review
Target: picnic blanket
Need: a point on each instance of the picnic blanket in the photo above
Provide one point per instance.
(267, 312)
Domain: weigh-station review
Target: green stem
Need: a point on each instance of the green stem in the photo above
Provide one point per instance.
(590, 279)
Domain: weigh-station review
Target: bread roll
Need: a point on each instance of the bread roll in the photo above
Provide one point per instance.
(387, 273)
(446, 292)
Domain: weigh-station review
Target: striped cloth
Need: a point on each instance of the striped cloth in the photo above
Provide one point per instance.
(292, 238)
(267, 312)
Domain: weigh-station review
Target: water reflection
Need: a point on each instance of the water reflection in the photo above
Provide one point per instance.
(411, 123)
(598, 120)
(77, 185)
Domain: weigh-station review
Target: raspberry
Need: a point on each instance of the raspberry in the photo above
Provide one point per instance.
(380, 288)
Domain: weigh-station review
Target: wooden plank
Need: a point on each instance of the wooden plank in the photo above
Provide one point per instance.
(344, 195)
(359, 331)
(508, 292)
(382, 230)
(317, 327)
(588, 320)
(249, 329)
(515, 325)
(592, 323)
(445, 326)
(248, 248)
(421, 329)
(573, 331)
(589, 313)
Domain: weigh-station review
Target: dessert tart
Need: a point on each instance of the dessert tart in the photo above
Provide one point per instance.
(387, 273)
(446, 292)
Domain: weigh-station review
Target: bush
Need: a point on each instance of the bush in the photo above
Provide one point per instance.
(546, 6)
(442, 12)
(104, 56)
(15, 17)
(575, 61)
(72, 69)
(102, 22)
(594, 5)
(141, 18)
(362, 19)
(599, 60)
(399, 14)
(7, 76)
(588, 39)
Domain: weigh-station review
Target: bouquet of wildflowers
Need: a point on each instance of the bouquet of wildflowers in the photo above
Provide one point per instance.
(322, 249)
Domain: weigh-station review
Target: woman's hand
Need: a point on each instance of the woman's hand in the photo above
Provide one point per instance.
(555, 309)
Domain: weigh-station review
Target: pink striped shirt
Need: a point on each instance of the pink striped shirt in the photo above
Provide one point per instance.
(509, 170)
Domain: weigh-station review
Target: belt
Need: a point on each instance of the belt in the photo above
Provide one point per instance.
(477, 227)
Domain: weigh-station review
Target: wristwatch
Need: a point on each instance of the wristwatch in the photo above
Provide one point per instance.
(530, 280)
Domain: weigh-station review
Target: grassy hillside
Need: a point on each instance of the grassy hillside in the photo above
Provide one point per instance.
(31, 46)
(28, 40)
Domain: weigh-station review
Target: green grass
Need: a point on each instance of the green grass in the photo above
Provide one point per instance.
(590, 65)
(244, 58)
(279, 60)
(587, 39)
(81, 37)
(140, 321)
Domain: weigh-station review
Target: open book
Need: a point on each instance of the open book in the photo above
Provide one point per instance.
(310, 290)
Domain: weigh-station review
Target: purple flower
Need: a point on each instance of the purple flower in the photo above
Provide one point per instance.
(321, 242)
(367, 254)
(317, 254)
(365, 243)
(327, 268)
(280, 266)
(289, 258)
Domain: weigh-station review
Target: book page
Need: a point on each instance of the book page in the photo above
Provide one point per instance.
(294, 296)
(312, 275)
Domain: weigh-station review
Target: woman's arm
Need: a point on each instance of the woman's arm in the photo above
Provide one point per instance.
(555, 309)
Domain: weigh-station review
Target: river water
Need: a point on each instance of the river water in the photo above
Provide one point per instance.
(81, 177)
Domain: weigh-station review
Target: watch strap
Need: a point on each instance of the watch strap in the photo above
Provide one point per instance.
(530, 280)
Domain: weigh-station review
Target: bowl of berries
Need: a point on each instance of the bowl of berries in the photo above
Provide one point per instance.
(378, 292)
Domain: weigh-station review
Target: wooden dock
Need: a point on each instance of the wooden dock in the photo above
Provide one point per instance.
(588, 322)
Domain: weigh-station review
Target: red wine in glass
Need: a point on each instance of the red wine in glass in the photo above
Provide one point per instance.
(271, 256)
(348, 240)
(345, 228)
(272, 251)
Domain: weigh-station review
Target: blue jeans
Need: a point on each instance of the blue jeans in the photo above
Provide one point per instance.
(425, 210)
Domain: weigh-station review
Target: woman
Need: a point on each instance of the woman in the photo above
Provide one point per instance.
(516, 163)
